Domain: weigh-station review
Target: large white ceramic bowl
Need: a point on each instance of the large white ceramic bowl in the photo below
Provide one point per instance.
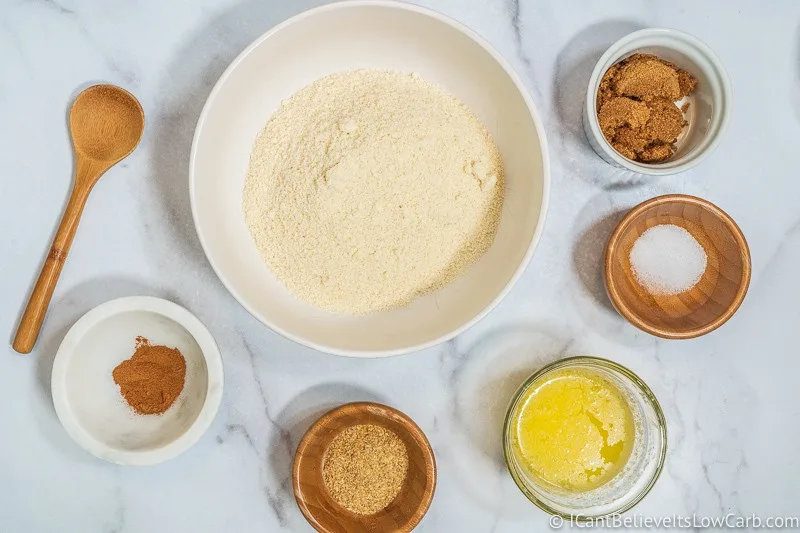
(345, 36)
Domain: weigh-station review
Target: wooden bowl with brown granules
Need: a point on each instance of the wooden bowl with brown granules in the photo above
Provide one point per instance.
(364, 467)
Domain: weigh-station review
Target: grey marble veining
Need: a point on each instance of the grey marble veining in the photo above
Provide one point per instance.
(730, 398)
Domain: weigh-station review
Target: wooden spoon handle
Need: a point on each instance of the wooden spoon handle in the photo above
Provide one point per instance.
(31, 323)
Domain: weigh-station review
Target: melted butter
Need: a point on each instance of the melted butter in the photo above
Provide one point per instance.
(574, 430)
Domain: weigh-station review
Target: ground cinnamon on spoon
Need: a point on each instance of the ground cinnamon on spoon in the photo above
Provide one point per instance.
(151, 380)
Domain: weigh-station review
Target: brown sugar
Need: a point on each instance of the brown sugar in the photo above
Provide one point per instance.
(686, 82)
(646, 77)
(656, 153)
(621, 111)
(632, 138)
(666, 121)
(636, 107)
(606, 92)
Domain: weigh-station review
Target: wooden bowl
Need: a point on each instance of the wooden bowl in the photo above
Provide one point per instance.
(704, 307)
(401, 515)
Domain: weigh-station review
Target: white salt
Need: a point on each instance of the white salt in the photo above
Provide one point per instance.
(667, 259)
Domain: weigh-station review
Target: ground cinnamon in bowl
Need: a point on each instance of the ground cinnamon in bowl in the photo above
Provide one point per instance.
(637, 110)
(151, 380)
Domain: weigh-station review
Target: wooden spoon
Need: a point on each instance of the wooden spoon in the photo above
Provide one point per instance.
(106, 124)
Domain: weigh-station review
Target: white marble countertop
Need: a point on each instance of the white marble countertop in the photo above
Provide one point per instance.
(730, 397)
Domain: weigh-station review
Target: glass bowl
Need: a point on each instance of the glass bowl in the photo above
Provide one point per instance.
(638, 475)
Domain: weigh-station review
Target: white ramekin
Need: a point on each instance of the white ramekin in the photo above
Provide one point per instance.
(88, 401)
(710, 104)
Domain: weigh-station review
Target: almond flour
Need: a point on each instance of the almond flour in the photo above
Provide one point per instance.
(369, 188)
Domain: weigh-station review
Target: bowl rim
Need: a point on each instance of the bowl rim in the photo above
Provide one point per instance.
(641, 323)
(179, 315)
(384, 411)
(538, 125)
(719, 73)
(584, 360)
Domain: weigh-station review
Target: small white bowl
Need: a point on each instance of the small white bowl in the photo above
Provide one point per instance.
(709, 105)
(353, 35)
(89, 404)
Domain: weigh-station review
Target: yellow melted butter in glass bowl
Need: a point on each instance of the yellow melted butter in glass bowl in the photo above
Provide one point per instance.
(574, 430)
(584, 437)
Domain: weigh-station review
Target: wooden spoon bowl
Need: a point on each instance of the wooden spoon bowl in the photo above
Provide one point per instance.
(403, 513)
(704, 307)
(106, 123)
